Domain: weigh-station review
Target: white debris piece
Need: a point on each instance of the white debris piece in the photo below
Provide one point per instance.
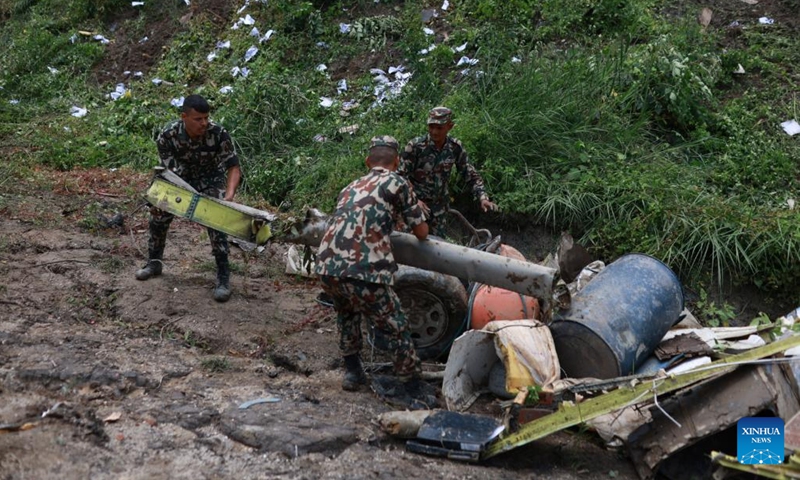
(144, 39)
(102, 39)
(428, 31)
(244, 72)
(766, 21)
(73, 38)
(127, 73)
(13, 101)
(225, 44)
(320, 138)
(137, 4)
(211, 56)
(52, 70)
(515, 60)
(461, 47)
(428, 50)
(138, 74)
(266, 36)
(176, 102)
(396, 69)
(241, 9)
(445, 5)
(118, 92)
(466, 61)
(255, 33)
(342, 86)
(387, 88)
(187, 2)
(739, 70)
(248, 20)
(321, 67)
(344, 27)
(791, 127)
(156, 81)
(790, 203)
(226, 89)
(325, 102)
(78, 112)
(323, 45)
(250, 53)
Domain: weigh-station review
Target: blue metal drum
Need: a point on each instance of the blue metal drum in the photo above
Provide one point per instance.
(618, 319)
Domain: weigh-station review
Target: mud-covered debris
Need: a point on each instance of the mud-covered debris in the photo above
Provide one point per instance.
(258, 401)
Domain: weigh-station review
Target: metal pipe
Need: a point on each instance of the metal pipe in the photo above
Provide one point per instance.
(465, 263)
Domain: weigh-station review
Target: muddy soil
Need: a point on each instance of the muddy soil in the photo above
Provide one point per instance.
(116, 378)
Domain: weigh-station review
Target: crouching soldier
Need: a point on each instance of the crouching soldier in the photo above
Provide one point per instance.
(356, 265)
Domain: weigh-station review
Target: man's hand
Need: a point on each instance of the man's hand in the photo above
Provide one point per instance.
(425, 209)
(486, 205)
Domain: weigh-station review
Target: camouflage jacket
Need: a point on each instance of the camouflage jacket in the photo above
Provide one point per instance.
(428, 171)
(357, 245)
(202, 163)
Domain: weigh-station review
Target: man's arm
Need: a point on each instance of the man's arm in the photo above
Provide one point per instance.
(234, 177)
(473, 179)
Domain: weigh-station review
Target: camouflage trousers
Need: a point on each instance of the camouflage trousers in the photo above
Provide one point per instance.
(377, 304)
(159, 226)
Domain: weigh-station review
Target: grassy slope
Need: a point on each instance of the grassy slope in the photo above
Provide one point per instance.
(623, 122)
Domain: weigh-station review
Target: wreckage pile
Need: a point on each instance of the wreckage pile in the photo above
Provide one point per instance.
(626, 359)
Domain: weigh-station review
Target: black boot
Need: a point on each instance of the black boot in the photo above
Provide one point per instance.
(222, 292)
(153, 267)
(354, 375)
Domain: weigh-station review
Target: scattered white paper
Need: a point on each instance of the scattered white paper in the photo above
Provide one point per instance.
(466, 61)
(127, 73)
(739, 70)
(396, 69)
(67, 129)
(137, 4)
(321, 67)
(156, 81)
(78, 112)
(244, 72)
(138, 74)
(118, 92)
(52, 70)
(766, 21)
(445, 5)
(241, 9)
(428, 50)
(211, 56)
(254, 32)
(791, 127)
(320, 138)
(13, 101)
(176, 102)
(248, 20)
(344, 27)
(226, 89)
(73, 38)
(250, 53)
(323, 45)
(790, 203)
(734, 24)
(102, 39)
(187, 2)
(325, 102)
(428, 31)
(225, 44)
(460, 48)
(342, 86)
(144, 39)
(515, 60)
(266, 36)
(465, 72)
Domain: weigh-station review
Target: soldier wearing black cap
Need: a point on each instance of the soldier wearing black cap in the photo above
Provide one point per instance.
(356, 266)
(427, 161)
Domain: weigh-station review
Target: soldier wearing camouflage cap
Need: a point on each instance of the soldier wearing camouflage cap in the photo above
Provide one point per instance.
(356, 265)
(201, 153)
(427, 162)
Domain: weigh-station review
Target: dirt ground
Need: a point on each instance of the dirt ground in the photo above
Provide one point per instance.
(81, 341)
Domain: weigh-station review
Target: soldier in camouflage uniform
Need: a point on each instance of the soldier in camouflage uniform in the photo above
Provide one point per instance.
(427, 161)
(200, 152)
(356, 265)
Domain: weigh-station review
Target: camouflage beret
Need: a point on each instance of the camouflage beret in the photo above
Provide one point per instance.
(384, 141)
(440, 115)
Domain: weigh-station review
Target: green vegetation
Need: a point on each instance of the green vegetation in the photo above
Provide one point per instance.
(623, 122)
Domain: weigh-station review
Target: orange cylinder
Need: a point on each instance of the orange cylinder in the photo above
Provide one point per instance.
(493, 303)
